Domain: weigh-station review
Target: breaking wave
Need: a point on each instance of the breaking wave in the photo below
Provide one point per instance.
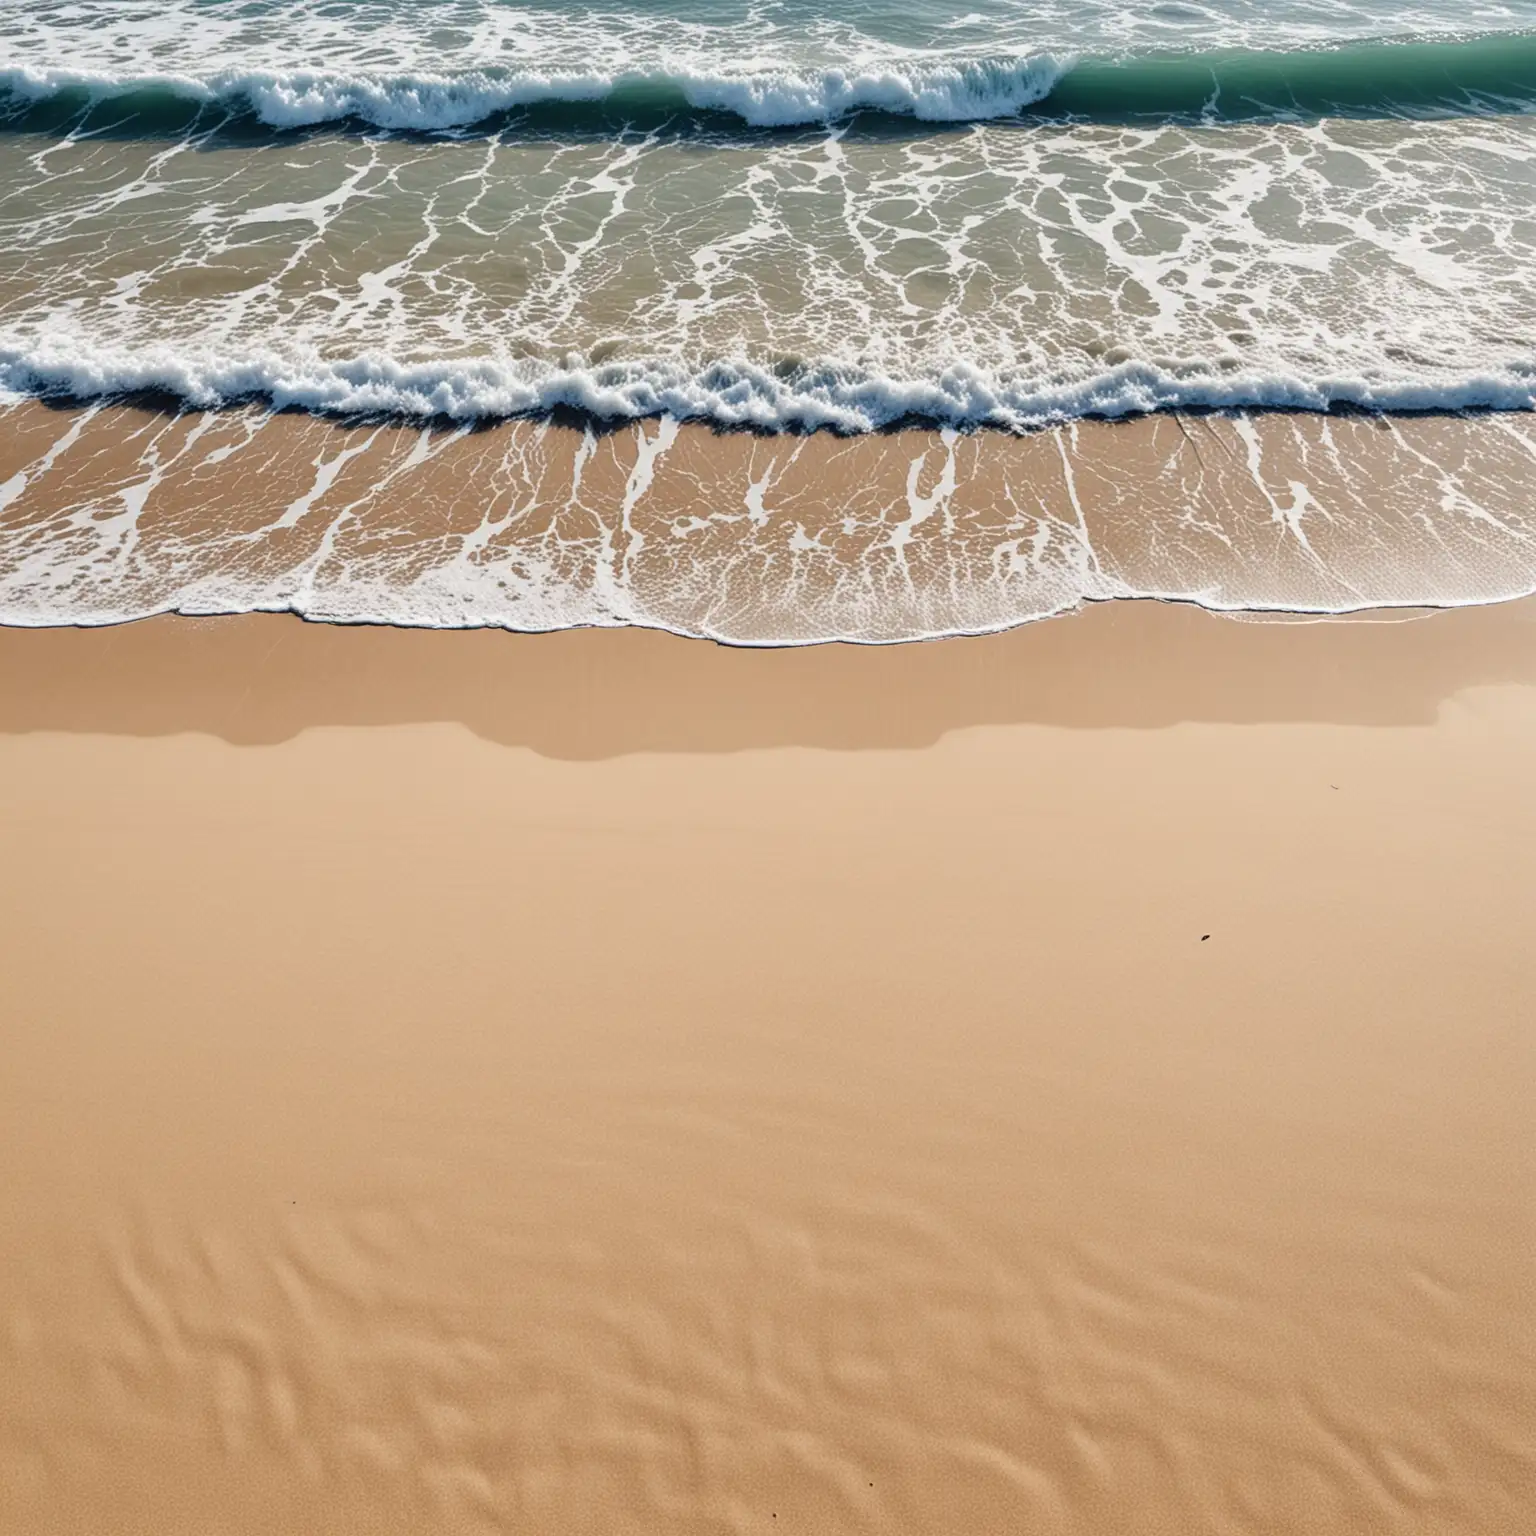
(965, 91)
(1487, 74)
(733, 393)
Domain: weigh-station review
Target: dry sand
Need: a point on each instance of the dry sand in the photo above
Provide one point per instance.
(605, 1083)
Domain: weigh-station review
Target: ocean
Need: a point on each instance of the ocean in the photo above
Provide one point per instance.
(771, 322)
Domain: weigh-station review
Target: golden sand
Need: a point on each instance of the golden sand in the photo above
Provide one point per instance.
(1072, 1081)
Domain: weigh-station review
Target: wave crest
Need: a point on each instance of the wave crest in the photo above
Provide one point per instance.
(1495, 73)
(734, 393)
(952, 92)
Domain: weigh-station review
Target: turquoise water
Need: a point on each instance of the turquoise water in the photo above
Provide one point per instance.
(396, 64)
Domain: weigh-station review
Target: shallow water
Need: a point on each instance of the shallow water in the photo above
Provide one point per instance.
(113, 513)
(773, 216)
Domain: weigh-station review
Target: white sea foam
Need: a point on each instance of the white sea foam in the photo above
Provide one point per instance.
(955, 92)
(756, 541)
(958, 91)
(736, 393)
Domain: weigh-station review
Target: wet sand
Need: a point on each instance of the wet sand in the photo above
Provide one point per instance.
(111, 512)
(1076, 1080)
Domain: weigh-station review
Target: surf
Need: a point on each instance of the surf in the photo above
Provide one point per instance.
(1388, 78)
(727, 393)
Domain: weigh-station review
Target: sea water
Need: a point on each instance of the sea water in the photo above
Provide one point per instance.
(787, 216)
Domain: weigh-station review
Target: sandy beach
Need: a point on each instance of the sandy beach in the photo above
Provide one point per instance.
(1076, 1080)
(767, 767)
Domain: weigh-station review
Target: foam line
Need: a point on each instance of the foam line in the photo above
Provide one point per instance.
(736, 393)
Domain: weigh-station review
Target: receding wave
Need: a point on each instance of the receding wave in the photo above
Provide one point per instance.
(117, 514)
(1483, 74)
(792, 396)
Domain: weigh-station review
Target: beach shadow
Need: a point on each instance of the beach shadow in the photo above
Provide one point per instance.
(587, 694)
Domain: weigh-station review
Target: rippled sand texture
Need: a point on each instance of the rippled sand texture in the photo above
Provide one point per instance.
(111, 512)
(410, 1128)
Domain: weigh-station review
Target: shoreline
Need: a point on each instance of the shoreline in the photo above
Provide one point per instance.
(1380, 613)
(117, 513)
(265, 678)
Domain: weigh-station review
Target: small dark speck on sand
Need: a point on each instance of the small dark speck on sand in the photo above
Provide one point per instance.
(1204, 937)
